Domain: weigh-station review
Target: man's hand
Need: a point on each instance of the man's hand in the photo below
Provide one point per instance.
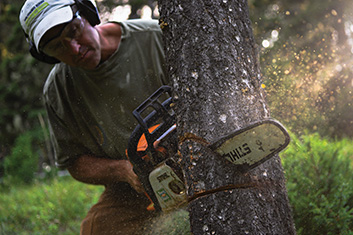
(103, 171)
(131, 177)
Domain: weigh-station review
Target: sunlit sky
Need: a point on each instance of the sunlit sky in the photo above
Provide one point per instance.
(122, 13)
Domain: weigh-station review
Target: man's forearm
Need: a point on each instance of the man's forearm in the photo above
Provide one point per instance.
(103, 171)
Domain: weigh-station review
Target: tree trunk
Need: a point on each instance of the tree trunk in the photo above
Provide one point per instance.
(211, 57)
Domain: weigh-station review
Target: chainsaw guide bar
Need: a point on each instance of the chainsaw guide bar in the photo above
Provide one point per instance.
(152, 149)
(253, 145)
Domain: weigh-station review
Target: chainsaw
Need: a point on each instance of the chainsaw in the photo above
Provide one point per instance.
(152, 151)
(153, 145)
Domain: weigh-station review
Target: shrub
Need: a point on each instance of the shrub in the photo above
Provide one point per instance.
(21, 165)
(319, 177)
(55, 207)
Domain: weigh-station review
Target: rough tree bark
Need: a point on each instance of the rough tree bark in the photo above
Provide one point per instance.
(212, 60)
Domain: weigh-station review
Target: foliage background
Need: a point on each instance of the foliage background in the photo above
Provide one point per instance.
(305, 51)
(308, 64)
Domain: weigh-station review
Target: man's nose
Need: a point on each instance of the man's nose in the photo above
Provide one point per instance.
(73, 46)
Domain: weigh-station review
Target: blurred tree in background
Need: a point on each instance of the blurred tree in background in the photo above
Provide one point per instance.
(305, 49)
(21, 85)
(306, 60)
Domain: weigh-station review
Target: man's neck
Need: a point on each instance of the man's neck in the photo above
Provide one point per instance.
(110, 36)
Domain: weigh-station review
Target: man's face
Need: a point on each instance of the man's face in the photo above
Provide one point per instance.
(75, 43)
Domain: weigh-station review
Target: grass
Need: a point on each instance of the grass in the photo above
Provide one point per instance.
(56, 206)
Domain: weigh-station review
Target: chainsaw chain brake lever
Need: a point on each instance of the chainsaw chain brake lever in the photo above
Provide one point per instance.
(161, 115)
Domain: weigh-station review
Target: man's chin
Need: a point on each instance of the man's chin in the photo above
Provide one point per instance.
(89, 64)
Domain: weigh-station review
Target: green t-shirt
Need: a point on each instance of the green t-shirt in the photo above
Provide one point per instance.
(90, 112)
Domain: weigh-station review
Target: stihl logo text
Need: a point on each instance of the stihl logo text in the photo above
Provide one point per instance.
(162, 177)
(238, 152)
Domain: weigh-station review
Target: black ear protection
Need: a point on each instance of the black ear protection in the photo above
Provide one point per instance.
(87, 9)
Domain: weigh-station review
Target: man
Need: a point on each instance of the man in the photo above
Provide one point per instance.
(106, 71)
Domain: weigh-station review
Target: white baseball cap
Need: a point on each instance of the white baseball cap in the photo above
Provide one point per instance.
(38, 16)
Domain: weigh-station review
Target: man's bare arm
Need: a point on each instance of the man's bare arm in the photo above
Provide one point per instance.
(102, 171)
